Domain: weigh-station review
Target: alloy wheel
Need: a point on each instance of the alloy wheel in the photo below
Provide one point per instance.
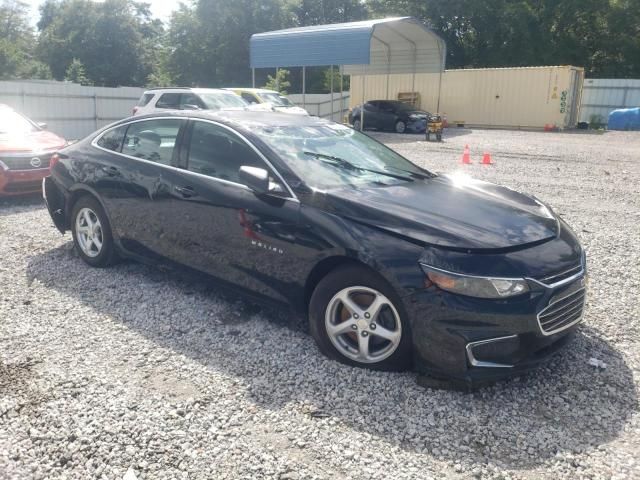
(363, 324)
(400, 127)
(89, 232)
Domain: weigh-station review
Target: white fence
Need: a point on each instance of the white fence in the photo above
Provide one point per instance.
(601, 96)
(320, 104)
(69, 109)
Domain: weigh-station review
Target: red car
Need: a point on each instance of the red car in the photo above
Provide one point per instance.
(26, 149)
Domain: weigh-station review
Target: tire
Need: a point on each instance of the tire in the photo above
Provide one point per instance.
(91, 232)
(400, 127)
(360, 286)
(356, 124)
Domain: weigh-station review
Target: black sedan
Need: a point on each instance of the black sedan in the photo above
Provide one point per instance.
(389, 115)
(393, 264)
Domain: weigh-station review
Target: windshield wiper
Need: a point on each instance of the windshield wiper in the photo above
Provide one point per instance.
(347, 165)
(420, 175)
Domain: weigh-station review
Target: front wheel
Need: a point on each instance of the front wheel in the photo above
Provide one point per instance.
(357, 318)
(357, 124)
(400, 126)
(92, 233)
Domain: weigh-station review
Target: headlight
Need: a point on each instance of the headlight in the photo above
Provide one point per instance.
(414, 117)
(481, 287)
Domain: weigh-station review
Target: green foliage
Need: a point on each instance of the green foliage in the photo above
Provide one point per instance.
(336, 80)
(16, 43)
(111, 39)
(75, 73)
(596, 122)
(601, 35)
(279, 82)
(206, 42)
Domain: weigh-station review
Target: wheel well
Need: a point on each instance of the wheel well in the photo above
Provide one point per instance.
(75, 196)
(321, 270)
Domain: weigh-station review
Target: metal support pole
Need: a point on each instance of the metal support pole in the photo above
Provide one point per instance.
(364, 76)
(331, 71)
(304, 89)
(253, 77)
(413, 77)
(444, 58)
(341, 70)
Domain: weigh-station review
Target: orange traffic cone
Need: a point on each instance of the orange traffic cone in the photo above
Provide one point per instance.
(486, 159)
(466, 155)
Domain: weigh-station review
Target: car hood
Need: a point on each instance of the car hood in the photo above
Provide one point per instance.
(38, 141)
(449, 211)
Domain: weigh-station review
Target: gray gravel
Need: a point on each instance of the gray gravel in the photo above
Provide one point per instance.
(152, 374)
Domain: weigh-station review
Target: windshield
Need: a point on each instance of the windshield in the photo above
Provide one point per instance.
(13, 122)
(217, 101)
(332, 156)
(276, 99)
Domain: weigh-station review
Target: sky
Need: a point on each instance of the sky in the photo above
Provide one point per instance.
(160, 8)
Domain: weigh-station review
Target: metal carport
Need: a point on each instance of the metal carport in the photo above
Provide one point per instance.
(384, 46)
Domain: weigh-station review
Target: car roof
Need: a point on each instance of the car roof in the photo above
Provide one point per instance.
(252, 90)
(189, 89)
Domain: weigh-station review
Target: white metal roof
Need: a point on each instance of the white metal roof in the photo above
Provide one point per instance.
(389, 45)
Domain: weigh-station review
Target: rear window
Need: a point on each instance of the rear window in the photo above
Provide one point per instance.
(169, 100)
(112, 140)
(145, 99)
(153, 140)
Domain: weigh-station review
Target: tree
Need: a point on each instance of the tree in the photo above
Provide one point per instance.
(279, 82)
(318, 12)
(16, 43)
(75, 73)
(601, 35)
(112, 39)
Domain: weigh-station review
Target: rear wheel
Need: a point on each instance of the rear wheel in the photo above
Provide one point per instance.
(400, 126)
(92, 233)
(357, 124)
(356, 318)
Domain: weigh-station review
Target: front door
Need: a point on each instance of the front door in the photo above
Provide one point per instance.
(224, 228)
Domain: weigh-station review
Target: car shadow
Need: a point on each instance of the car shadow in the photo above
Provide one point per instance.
(20, 203)
(516, 424)
(399, 138)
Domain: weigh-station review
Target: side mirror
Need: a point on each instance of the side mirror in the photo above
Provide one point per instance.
(257, 179)
(43, 126)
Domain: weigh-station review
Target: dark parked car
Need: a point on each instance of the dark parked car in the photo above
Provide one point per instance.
(392, 263)
(25, 150)
(390, 115)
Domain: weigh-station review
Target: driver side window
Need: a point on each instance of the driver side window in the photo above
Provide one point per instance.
(216, 152)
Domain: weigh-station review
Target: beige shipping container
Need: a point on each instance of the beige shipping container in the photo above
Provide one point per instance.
(523, 97)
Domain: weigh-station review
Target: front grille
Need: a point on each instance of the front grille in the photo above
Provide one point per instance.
(560, 276)
(561, 314)
(24, 163)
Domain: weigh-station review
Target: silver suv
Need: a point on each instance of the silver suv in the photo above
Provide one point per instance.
(159, 99)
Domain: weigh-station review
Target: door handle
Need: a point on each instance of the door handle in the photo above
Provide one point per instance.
(112, 171)
(186, 191)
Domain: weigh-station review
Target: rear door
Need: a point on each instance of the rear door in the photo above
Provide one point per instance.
(144, 171)
(225, 229)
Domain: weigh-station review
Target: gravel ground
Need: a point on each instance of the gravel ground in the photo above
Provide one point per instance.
(152, 374)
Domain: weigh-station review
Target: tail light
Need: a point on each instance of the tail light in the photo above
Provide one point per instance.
(55, 158)
(135, 110)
